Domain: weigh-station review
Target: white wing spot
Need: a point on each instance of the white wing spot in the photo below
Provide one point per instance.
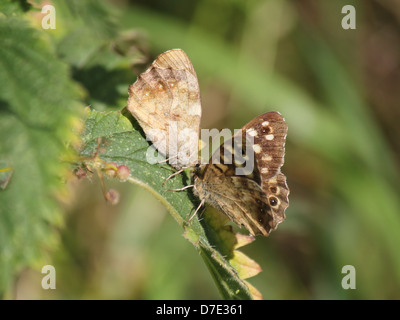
(272, 181)
(252, 132)
(266, 158)
(257, 148)
(265, 124)
(264, 170)
(269, 137)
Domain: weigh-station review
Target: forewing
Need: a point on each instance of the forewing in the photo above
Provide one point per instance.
(269, 132)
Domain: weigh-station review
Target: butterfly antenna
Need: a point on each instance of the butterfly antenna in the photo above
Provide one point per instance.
(166, 160)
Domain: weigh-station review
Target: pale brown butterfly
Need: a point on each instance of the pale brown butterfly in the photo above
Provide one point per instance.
(165, 100)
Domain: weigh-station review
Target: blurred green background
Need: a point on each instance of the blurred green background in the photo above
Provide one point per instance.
(339, 92)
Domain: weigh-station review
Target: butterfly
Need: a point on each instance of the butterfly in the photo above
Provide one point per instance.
(256, 199)
(165, 100)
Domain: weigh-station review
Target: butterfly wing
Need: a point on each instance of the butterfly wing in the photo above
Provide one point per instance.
(240, 198)
(256, 198)
(269, 131)
(165, 100)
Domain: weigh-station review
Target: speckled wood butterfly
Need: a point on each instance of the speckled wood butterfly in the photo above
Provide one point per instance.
(258, 199)
(165, 100)
(168, 93)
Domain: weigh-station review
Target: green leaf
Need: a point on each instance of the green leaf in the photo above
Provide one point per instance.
(12, 8)
(100, 55)
(37, 100)
(111, 140)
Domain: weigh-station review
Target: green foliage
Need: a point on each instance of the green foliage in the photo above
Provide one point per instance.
(37, 102)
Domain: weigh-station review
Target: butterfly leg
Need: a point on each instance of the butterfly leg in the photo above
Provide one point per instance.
(181, 189)
(172, 175)
(197, 210)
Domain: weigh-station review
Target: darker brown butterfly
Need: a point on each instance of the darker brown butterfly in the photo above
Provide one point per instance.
(255, 199)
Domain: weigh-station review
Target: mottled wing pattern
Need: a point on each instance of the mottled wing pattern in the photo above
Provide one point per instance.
(269, 132)
(240, 198)
(258, 198)
(165, 100)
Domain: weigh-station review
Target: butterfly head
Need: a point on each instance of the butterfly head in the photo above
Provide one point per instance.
(197, 172)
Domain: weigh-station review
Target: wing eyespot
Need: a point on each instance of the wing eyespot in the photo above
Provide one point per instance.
(273, 201)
